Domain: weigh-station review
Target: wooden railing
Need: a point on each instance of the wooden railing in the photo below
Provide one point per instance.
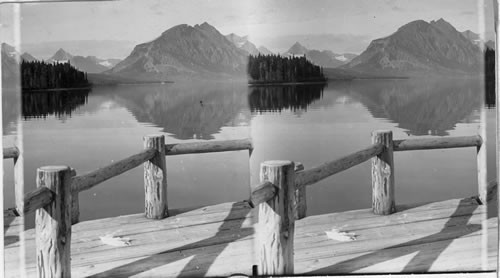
(55, 200)
(280, 197)
(282, 191)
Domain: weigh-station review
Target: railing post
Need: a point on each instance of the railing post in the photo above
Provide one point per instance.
(383, 202)
(155, 179)
(482, 177)
(300, 196)
(277, 220)
(53, 224)
(75, 203)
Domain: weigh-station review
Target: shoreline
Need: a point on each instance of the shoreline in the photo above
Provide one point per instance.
(54, 89)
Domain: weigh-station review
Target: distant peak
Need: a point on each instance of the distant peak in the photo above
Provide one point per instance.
(297, 48)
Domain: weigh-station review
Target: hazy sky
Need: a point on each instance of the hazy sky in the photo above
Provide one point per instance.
(338, 25)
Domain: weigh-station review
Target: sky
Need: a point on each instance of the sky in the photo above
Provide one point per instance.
(337, 25)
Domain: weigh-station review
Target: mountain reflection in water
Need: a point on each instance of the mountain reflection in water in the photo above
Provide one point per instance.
(421, 107)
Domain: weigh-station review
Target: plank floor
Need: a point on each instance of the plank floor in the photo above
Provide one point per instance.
(219, 241)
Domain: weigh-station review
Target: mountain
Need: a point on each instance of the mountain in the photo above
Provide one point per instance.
(28, 57)
(60, 56)
(10, 68)
(264, 50)
(184, 51)
(244, 44)
(324, 58)
(297, 49)
(89, 64)
(471, 36)
(420, 48)
(490, 44)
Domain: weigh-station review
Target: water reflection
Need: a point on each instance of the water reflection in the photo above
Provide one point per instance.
(41, 104)
(420, 107)
(186, 111)
(278, 98)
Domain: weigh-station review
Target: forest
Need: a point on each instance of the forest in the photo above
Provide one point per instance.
(264, 69)
(39, 75)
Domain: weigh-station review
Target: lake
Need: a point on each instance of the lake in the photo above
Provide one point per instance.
(311, 124)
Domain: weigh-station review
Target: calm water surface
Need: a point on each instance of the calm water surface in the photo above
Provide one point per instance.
(310, 124)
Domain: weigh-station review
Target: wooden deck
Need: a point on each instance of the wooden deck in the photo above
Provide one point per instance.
(218, 241)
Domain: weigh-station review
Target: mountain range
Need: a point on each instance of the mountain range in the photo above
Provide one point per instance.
(244, 44)
(90, 64)
(324, 58)
(421, 48)
(418, 48)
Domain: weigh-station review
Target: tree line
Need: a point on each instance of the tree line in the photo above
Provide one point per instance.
(278, 69)
(41, 75)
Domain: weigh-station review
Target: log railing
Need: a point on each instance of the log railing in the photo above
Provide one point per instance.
(280, 197)
(274, 199)
(55, 200)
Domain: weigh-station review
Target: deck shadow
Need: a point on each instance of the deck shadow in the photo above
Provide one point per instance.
(427, 248)
(193, 267)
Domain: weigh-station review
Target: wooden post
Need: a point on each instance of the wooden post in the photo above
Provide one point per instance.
(155, 179)
(53, 224)
(19, 180)
(300, 196)
(75, 203)
(277, 220)
(482, 176)
(383, 175)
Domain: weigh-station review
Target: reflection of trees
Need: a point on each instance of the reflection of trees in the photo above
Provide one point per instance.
(420, 106)
(278, 98)
(185, 110)
(41, 104)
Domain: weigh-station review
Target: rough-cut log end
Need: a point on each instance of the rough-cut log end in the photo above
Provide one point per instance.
(262, 193)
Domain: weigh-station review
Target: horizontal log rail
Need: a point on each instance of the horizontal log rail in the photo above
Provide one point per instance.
(208, 147)
(11, 152)
(437, 143)
(313, 175)
(87, 181)
(262, 193)
(33, 200)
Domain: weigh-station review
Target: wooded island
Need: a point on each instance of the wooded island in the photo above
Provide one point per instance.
(268, 69)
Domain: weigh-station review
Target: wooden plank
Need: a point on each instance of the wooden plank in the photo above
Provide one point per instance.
(155, 179)
(87, 181)
(276, 226)
(461, 254)
(213, 261)
(325, 170)
(383, 196)
(208, 147)
(300, 205)
(437, 143)
(11, 152)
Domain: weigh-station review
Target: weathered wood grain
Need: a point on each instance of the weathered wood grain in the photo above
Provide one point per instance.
(300, 205)
(87, 181)
(276, 226)
(208, 147)
(155, 179)
(325, 170)
(12, 152)
(53, 224)
(383, 199)
(262, 193)
(437, 143)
